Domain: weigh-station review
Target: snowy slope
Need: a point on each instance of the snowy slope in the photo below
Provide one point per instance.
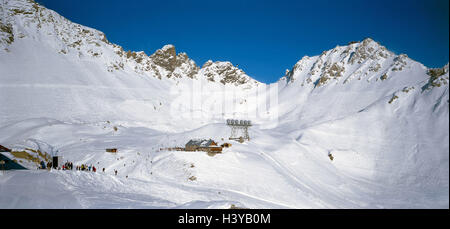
(64, 87)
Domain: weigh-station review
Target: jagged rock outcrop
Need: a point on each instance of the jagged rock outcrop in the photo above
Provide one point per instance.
(225, 73)
(165, 58)
(438, 77)
(176, 65)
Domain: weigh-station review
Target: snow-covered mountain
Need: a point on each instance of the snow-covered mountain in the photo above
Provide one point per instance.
(63, 86)
(41, 49)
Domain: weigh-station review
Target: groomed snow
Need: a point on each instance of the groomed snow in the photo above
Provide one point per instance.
(386, 128)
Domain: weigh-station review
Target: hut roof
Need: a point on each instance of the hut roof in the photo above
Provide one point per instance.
(200, 142)
(4, 149)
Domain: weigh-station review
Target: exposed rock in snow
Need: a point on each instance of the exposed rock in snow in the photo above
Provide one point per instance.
(438, 77)
(225, 73)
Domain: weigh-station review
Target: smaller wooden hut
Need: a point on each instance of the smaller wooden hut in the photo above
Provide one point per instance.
(111, 150)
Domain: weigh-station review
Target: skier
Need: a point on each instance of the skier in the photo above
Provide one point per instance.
(115, 171)
(43, 165)
(94, 169)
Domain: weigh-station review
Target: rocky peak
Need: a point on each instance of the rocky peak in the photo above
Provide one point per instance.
(353, 61)
(186, 66)
(165, 57)
(225, 73)
(26, 19)
(169, 49)
(178, 65)
(367, 49)
(438, 77)
(207, 64)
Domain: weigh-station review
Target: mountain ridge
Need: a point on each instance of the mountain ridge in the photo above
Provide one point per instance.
(166, 63)
(361, 60)
(22, 19)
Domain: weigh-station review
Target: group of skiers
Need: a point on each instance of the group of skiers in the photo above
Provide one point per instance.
(49, 165)
(67, 166)
(89, 168)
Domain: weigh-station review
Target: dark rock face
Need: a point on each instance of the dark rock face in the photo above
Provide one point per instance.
(224, 72)
(437, 78)
(7, 31)
(166, 58)
(176, 65)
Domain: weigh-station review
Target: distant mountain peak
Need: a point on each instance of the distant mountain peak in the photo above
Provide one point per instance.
(168, 52)
(165, 57)
(168, 48)
(366, 59)
(226, 73)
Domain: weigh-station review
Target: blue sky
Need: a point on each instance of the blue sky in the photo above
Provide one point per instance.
(266, 37)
